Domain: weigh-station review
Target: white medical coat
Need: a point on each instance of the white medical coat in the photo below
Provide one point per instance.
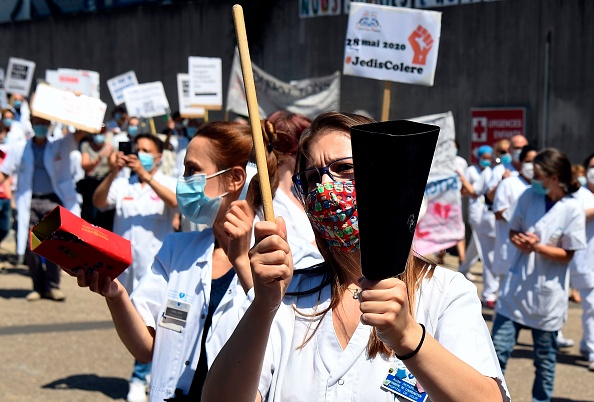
(143, 218)
(498, 172)
(182, 272)
(480, 217)
(581, 267)
(56, 159)
(447, 304)
(506, 196)
(534, 292)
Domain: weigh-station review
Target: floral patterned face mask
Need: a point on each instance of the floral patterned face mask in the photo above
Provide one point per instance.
(332, 210)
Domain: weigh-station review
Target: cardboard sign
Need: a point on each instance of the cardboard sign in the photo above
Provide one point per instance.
(183, 96)
(392, 43)
(117, 85)
(83, 112)
(146, 100)
(490, 125)
(309, 97)
(75, 244)
(206, 82)
(79, 81)
(19, 76)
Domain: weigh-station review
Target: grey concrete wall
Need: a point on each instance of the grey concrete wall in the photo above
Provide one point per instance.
(491, 54)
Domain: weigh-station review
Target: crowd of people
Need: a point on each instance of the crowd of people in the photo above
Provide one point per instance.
(215, 292)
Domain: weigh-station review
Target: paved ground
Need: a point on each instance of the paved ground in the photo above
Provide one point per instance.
(69, 351)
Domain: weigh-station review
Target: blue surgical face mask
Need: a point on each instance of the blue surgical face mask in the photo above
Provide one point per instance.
(485, 163)
(99, 138)
(117, 116)
(583, 181)
(192, 131)
(506, 159)
(193, 203)
(17, 104)
(539, 188)
(40, 130)
(147, 161)
(7, 122)
(132, 131)
(3, 140)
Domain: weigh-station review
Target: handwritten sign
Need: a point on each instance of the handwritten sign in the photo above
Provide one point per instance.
(146, 100)
(81, 111)
(117, 85)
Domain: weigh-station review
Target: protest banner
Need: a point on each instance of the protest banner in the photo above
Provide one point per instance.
(117, 84)
(19, 76)
(319, 8)
(206, 82)
(81, 111)
(442, 226)
(78, 81)
(490, 125)
(310, 97)
(183, 96)
(146, 100)
(3, 98)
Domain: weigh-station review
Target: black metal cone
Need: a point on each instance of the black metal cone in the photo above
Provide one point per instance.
(392, 161)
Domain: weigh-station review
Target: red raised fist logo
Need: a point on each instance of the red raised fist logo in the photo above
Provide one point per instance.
(421, 42)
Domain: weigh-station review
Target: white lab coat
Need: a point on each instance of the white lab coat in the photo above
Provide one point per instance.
(534, 292)
(182, 272)
(498, 172)
(506, 196)
(56, 159)
(581, 267)
(447, 304)
(143, 218)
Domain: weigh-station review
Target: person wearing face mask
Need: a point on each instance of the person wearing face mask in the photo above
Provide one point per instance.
(44, 182)
(118, 121)
(335, 335)
(581, 267)
(510, 164)
(5, 190)
(95, 154)
(506, 196)
(547, 227)
(186, 306)
(145, 204)
(17, 133)
(480, 215)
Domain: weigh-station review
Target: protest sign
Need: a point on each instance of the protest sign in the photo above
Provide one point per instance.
(81, 111)
(392, 43)
(318, 8)
(183, 94)
(118, 83)
(19, 76)
(206, 82)
(442, 226)
(146, 100)
(79, 81)
(490, 125)
(310, 97)
(3, 98)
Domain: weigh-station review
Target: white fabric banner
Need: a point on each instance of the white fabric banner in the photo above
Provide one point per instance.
(19, 76)
(443, 225)
(146, 100)
(120, 82)
(183, 96)
(310, 96)
(392, 43)
(81, 111)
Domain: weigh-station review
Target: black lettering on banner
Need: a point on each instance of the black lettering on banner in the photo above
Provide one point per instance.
(19, 72)
(174, 313)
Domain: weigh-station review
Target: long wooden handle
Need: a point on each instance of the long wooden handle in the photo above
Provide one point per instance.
(254, 113)
(386, 101)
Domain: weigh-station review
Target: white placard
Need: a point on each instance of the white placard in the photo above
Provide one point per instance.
(78, 81)
(392, 43)
(206, 82)
(3, 98)
(183, 95)
(19, 76)
(146, 100)
(118, 83)
(81, 111)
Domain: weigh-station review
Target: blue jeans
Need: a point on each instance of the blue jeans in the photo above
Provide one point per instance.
(5, 217)
(141, 371)
(505, 336)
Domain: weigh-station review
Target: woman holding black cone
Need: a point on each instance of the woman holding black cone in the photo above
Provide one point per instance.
(330, 334)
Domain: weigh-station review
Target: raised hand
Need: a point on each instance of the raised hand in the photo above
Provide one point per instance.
(238, 226)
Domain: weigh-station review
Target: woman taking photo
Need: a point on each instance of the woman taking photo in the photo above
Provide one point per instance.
(331, 334)
(173, 317)
(547, 226)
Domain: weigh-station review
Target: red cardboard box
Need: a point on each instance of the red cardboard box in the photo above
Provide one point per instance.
(75, 244)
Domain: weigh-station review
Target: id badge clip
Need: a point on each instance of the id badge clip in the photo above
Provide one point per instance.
(402, 383)
(175, 315)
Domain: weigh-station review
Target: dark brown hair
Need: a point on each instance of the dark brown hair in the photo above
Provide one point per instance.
(233, 146)
(341, 265)
(551, 162)
(288, 127)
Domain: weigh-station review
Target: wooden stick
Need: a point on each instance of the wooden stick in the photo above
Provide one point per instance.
(386, 102)
(152, 123)
(254, 113)
(206, 116)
